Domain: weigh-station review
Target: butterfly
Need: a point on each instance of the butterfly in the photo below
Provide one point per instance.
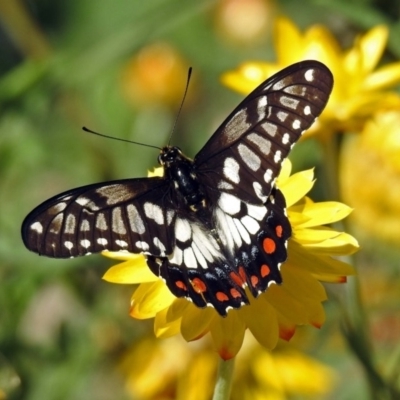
(213, 228)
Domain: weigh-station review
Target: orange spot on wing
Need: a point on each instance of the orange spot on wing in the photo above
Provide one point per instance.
(237, 278)
(279, 230)
(254, 280)
(235, 293)
(221, 296)
(265, 271)
(242, 274)
(181, 285)
(198, 285)
(269, 245)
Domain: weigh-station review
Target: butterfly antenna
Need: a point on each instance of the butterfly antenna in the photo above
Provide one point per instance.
(120, 139)
(181, 106)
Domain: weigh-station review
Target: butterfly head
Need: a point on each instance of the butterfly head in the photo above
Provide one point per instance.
(170, 155)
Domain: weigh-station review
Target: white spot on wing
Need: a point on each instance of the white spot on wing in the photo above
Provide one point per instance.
(309, 75)
(268, 175)
(101, 222)
(70, 224)
(199, 256)
(259, 191)
(285, 138)
(278, 156)
(250, 158)
(263, 144)
(231, 170)
(289, 102)
(236, 126)
(153, 211)
(121, 243)
(282, 115)
(142, 245)
(69, 245)
(102, 241)
(82, 201)
(307, 110)
(117, 224)
(296, 124)
(242, 231)
(189, 258)
(257, 212)
(177, 256)
(183, 232)
(157, 242)
(85, 243)
(250, 224)
(229, 203)
(85, 226)
(270, 128)
(135, 221)
(37, 226)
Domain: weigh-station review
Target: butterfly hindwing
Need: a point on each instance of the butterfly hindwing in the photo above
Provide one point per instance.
(132, 214)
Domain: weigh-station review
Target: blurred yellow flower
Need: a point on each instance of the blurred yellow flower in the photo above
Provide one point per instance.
(274, 313)
(169, 369)
(244, 21)
(370, 176)
(156, 74)
(360, 87)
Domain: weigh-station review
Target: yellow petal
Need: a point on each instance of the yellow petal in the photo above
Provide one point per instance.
(298, 257)
(286, 304)
(322, 213)
(297, 186)
(196, 322)
(342, 244)
(313, 235)
(122, 255)
(150, 298)
(130, 272)
(260, 317)
(372, 45)
(302, 284)
(163, 327)
(288, 41)
(227, 334)
(383, 78)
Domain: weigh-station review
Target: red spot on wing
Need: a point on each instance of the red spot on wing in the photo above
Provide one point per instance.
(242, 274)
(237, 278)
(235, 293)
(254, 280)
(269, 245)
(181, 285)
(221, 296)
(198, 285)
(279, 231)
(265, 270)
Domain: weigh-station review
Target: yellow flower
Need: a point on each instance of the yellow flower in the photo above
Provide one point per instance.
(170, 369)
(359, 87)
(373, 159)
(155, 75)
(274, 313)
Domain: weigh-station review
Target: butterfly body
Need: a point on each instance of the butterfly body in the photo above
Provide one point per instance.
(213, 228)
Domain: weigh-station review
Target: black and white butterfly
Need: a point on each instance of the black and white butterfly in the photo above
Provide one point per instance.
(212, 226)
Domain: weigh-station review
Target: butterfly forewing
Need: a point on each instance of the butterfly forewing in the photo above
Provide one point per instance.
(245, 154)
(210, 227)
(134, 215)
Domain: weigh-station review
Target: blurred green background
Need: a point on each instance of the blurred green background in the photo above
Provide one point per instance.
(66, 64)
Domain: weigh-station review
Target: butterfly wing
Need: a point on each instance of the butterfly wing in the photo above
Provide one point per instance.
(133, 214)
(245, 154)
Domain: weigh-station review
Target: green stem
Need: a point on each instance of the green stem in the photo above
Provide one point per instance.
(224, 379)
